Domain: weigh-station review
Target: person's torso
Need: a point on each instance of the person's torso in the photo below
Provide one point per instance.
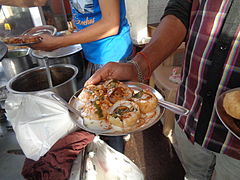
(211, 66)
(113, 48)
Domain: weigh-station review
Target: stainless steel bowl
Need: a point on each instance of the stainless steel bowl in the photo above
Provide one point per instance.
(66, 55)
(16, 61)
(35, 80)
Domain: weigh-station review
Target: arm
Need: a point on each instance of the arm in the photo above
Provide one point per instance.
(168, 36)
(107, 26)
(164, 41)
(23, 3)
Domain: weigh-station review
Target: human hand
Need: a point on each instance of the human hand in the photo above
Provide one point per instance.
(113, 70)
(48, 43)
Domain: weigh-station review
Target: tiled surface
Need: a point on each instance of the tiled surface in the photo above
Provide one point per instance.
(151, 151)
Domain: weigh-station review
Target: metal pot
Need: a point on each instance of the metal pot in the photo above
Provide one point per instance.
(3, 50)
(35, 80)
(66, 55)
(16, 61)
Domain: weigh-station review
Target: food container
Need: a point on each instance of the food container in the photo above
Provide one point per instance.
(66, 55)
(35, 80)
(16, 61)
(3, 50)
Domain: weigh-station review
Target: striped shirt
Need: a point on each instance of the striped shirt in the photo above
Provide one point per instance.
(211, 66)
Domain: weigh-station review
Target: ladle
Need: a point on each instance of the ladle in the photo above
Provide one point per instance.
(49, 77)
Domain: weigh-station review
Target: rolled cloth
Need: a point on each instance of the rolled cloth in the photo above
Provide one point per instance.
(57, 162)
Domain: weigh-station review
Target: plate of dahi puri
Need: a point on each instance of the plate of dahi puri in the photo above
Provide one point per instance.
(117, 108)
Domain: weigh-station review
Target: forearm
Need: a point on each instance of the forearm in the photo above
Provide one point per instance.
(89, 34)
(23, 3)
(168, 36)
(97, 31)
(107, 26)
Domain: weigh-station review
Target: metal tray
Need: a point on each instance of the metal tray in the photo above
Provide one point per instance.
(57, 53)
(232, 124)
(21, 44)
(137, 87)
(36, 31)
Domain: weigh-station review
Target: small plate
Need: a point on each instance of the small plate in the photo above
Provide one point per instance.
(232, 124)
(136, 87)
(38, 30)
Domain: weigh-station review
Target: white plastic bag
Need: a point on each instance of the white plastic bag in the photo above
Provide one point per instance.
(104, 163)
(38, 120)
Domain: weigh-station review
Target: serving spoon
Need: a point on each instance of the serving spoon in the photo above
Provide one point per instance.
(180, 110)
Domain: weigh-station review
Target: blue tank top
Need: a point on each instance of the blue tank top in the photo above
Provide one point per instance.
(113, 48)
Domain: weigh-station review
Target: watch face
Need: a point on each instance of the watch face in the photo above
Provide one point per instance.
(83, 6)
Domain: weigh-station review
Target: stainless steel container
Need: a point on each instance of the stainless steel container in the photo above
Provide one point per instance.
(35, 80)
(3, 50)
(16, 61)
(66, 55)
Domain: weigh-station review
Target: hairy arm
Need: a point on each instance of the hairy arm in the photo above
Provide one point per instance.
(23, 3)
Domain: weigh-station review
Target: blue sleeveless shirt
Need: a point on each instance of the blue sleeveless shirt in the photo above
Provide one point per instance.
(113, 48)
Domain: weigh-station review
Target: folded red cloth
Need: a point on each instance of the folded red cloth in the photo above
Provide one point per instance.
(57, 162)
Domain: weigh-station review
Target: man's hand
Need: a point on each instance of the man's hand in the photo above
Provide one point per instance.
(113, 70)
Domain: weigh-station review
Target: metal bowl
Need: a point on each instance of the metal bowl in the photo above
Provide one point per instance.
(3, 50)
(38, 30)
(35, 80)
(16, 61)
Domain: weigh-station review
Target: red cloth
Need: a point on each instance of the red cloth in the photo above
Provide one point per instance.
(57, 162)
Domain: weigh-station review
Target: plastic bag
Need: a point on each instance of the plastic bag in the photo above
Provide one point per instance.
(101, 162)
(38, 120)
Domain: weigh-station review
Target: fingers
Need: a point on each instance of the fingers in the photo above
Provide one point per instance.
(102, 74)
(113, 70)
(94, 79)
